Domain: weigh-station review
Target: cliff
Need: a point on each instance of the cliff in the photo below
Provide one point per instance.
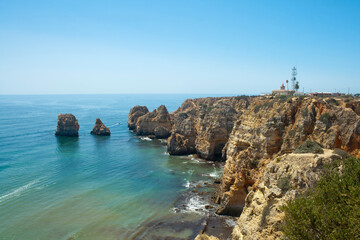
(271, 127)
(156, 123)
(200, 126)
(251, 134)
(282, 180)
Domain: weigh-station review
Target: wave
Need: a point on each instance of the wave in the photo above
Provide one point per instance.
(146, 138)
(187, 184)
(18, 191)
(214, 174)
(196, 204)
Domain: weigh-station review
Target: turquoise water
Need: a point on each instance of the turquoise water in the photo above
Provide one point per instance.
(117, 187)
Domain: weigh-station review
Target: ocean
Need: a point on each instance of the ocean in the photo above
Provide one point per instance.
(117, 187)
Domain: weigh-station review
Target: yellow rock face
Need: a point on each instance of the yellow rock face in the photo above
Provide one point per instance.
(274, 126)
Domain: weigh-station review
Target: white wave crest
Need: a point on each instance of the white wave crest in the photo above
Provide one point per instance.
(146, 138)
(18, 191)
(187, 184)
(196, 204)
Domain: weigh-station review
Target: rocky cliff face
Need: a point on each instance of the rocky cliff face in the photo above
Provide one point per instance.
(203, 126)
(67, 125)
(282, 180)
(156, 123)
(270, 127)
(134, 115)
(100, 128)
(200, 126)
(248, 133)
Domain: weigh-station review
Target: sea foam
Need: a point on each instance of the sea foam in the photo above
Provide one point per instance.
(18, 191)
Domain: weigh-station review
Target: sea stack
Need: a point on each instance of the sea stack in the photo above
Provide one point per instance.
(67, 125)
(100, 128)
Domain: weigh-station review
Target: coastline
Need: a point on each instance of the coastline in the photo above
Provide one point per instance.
(247, 133)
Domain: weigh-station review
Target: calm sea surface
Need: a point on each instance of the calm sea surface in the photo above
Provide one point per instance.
(117, 187)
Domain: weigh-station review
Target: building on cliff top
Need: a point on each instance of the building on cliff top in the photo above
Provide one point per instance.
(282, 91)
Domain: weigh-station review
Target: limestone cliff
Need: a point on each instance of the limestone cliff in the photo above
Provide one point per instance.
(134, 115)
(283, 179)
(203, 126)
(248, 132)
(67, 125)
(200, 126)
(156, 123)
(273, 126)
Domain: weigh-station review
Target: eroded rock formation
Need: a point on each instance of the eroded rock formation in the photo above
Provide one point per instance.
(203, 126)
(250, 131)
(156, 123)
(134, 114)
(100, 128)
(282, 180)
(67, 125)
(199, 126)
(271, 127)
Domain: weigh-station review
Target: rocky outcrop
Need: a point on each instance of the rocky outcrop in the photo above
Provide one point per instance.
(100, 128)
(134, 115)
(251, 133)
(282, 180)
(274, 126)
(67, 125)
(202, 126)
(156, 123)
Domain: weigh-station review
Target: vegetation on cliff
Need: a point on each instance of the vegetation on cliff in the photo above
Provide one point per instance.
(331, 210)
(310, 147)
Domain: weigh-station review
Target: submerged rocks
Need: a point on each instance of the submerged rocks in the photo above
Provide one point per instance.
(100, 128)
(67, 125)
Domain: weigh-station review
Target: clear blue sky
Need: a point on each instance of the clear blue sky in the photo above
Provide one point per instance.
(223, 47)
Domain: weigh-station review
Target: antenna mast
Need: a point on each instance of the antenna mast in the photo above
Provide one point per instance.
(293, 78)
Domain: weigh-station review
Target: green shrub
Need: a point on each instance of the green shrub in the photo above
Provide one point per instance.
(341, 153)
(331, 210)
(283, 98)
(257, 108)
(210, 108)
(332, 101)
(310, 147)
(284, 183)
(325, 118)
(305, 112)
(242, 97)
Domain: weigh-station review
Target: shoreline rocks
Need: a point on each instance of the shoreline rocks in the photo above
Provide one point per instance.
(134, 114)
(67, 125)
(156, 123)
(100, 129)
(250, 132)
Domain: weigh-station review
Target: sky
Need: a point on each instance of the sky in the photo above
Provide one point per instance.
(196, 46)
